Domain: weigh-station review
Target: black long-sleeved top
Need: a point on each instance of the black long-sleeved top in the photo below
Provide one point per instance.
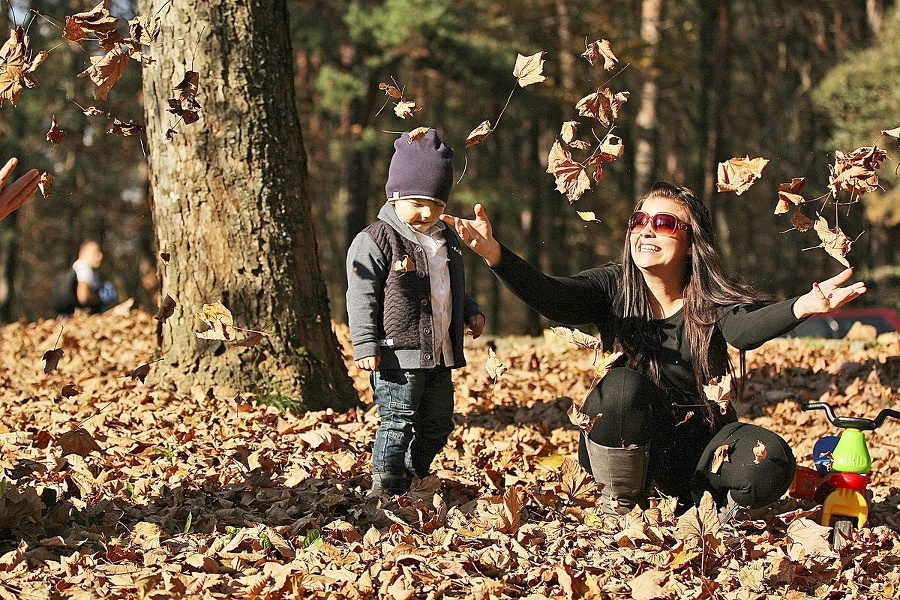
(588, 298)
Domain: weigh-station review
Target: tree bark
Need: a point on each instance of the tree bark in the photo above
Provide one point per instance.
(230, 206)
(645, 121)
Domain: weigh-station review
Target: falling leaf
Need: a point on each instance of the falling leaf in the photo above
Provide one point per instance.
(78, 441)
(800, 221)
(738, 174)
(141, 372)
(220, 322)
(602, 105)
(789, 194)
(588, 215)
(579, 338)
(601, 49)
(719, 391)
(528, 69)
(405, 109)
(186, 105)
(123, 128)
(144, 30)
(417, 134)
(390, 90)
(16, 72)
(105, 71)
(69, 390)
(720, 457)
(405, 265)
(836, 244)
(567, 133)
(253, 339)
(479, 133)
(91, 111)
(494, 367)
(165, 257)
(166, 309)
(45, 184)
(581, 419)
(605, 362)
(856, 172)
(55, 135)
(52, 358)
(98, 21)
(759, 453)
(572, 178)
(73, 32)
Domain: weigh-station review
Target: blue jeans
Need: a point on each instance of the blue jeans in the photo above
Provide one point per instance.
(416, 411)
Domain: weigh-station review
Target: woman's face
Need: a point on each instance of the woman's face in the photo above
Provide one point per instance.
(656, 252)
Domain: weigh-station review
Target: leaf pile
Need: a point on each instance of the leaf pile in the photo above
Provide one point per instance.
(114, 487)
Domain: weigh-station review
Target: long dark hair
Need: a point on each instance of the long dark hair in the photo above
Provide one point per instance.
(708, 292)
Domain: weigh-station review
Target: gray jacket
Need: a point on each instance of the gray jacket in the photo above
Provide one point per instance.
(390, 308)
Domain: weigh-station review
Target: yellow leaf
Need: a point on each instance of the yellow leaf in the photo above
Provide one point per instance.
(494, 367)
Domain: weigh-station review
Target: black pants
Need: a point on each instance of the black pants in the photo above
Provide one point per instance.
(634, 411)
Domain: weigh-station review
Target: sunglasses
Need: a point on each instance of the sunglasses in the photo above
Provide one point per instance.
(663, 223)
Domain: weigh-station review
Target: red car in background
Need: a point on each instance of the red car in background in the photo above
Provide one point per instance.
(837, 323)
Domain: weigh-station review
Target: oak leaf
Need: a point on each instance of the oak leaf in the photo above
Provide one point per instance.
(601, 49)
(78, 441)
(477, 135)
(528, 69)
(738, 174)
(789, 194)
(834, 241)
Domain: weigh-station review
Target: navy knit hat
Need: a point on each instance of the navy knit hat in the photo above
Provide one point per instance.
(421, 168)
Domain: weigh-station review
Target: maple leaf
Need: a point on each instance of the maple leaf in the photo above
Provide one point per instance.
(856, 172)
(581, 419)
(789, 194)
(601, 49)
(575, 482)
(55, 135)
(738, 174)
(51, 359)
(98, 21)
(17, 73)
(144, 30)
(719, 391)
(220, 322)
(166, 309)
(800, 221)
(479, 133)
(186, 105)
(699, 521)
(405, 109)
(105, 71)
(610, 149)
(73, 32)
(528, 69)
(572, 178)
(719, 458)
(78, 441)
(45, 184)
(494, 367)
(834, 241)
(602, 105)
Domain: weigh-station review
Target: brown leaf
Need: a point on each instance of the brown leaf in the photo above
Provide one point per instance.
(602, 105)
(78, 441)
(575, 482)
(789, 194)
(52, 358)
(390, 90)
(649, 585)
(253, 339)
(800, 221)
(144, 30)
(528, 69)
(601, 49)
(759, 453)
(105, 71)
(699, 521)
(124, 129)
(581, 419)
(141, 372)
(720, 457)
(69, 390)
(166, 309)
(45, 184)
(55, 135)
(404, 265)
(738, 174)
(417, 134)
(478, 134)
(856, 172)
(719, 391)
(571, 177)
(73, 31)
(16, 72)
(836, 244)
(165, 257)
(220, 322)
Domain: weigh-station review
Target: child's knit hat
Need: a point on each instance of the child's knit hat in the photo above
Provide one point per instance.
(420, 168)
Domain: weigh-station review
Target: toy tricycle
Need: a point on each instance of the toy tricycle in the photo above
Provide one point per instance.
(839, 479)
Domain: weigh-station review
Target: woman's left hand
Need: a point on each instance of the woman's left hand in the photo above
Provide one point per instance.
(828, 295)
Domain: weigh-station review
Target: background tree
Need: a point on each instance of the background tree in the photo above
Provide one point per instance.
(230, 204)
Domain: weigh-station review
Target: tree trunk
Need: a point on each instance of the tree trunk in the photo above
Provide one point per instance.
(645, 121)
(231, 209)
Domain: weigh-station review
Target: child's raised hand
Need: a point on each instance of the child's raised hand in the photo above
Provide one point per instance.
(369, 363)
(475, 324)
(477, 234)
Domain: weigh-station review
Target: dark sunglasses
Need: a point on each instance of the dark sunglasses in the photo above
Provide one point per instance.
(663, 223)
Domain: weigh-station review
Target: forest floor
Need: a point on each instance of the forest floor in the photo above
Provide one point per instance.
(117, 487)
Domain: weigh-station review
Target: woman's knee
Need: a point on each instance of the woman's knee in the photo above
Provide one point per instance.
(621, 403)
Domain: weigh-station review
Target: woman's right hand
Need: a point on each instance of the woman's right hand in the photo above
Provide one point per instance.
(477, 234)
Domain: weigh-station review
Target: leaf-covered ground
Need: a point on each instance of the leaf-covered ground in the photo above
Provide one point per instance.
(211, 494)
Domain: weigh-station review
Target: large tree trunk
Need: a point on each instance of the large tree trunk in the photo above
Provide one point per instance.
(230, 205)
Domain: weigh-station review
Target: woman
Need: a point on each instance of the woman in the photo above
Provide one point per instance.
(21, 189)
(674, 311)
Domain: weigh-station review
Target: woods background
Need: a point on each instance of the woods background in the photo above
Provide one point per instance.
(709, 80)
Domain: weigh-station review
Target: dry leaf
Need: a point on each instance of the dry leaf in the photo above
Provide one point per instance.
(571, 177)
(834, 241)
(165, 257)
(528, 69)
(738, 174)
(417, 133)
(69, 390)
(598, 49)
(800, 221)
(16, 72)
(789, 194)
(607, 360)
(55, 135)
(759, 453)
(700, 521)
(856, 172)
(602, 105)
(581, 419)
(493, 366)
(478, 134)
(105, 71)
(51, 359)
(141, 372)
(78, 441)
(587, 215)
(405, 265)
(45, 184)
(166, 309)
(404, 109)
(649, 585)
(719, 458)
(579, 338)
(719, 391)
(253, 339)
(220, 322)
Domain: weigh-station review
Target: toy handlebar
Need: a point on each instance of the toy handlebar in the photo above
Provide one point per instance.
(851, 422)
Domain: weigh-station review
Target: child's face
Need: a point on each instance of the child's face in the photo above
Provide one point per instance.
(419, 213)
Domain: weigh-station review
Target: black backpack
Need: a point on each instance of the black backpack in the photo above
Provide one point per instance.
(63, 296)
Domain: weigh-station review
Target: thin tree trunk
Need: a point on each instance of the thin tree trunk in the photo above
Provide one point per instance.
(230, 206)
(645, 121)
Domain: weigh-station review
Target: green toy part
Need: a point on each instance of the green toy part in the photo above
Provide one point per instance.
(851, 455)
